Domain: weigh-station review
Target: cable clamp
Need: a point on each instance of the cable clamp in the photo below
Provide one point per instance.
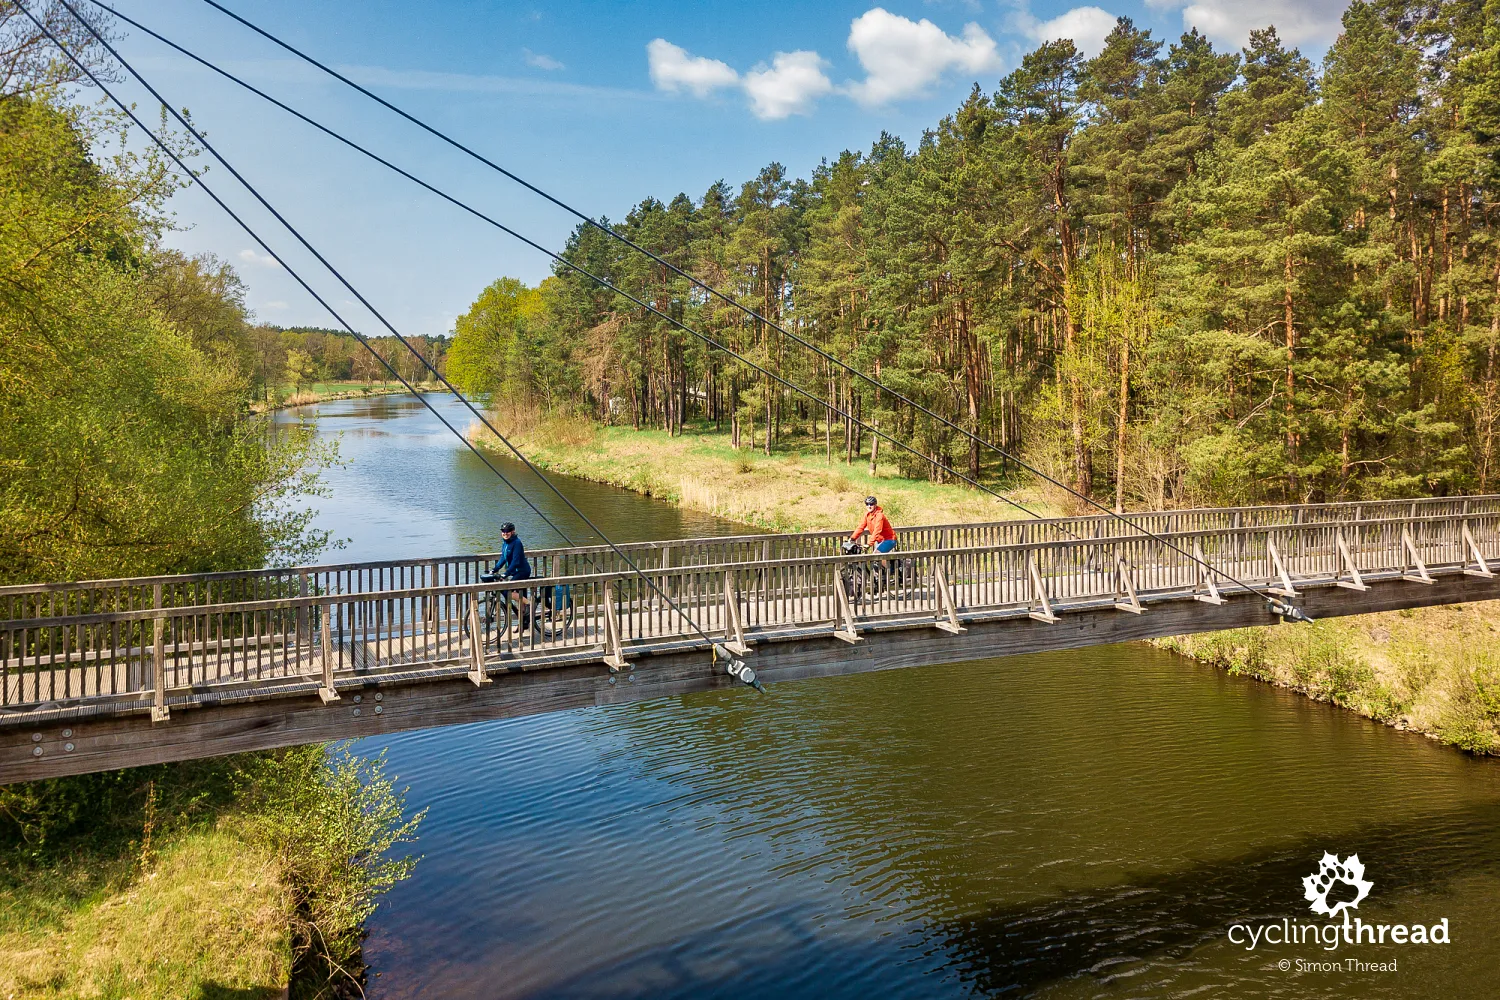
(1289, 612)
(736, 667)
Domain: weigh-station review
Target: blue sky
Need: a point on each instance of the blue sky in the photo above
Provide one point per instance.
(602, 104)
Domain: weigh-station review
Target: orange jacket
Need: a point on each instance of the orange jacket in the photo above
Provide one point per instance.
(877, 524)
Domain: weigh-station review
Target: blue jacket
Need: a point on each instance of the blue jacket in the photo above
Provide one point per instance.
(512, 563)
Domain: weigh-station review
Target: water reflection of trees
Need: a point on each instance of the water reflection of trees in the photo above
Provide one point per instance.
(1044, 817)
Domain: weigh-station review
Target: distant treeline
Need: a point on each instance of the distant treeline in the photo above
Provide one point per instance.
(1169, 274)
(301, 355)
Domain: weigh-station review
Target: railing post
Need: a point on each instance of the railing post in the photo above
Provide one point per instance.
(159, 711)
(326, 690)
(614, 645)
(303, 629)
(429, 601)
(477, 673)
(734, 629)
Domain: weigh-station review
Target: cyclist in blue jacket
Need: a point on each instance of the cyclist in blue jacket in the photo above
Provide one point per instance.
(513, 565)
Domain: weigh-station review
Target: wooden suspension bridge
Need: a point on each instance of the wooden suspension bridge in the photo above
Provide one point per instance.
(105, 674)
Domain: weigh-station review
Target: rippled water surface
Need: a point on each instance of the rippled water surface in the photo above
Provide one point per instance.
(1082, 824)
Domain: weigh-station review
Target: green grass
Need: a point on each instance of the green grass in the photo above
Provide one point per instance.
(329, 388)
(204, 918)
(230, 877)
(793, 489)
(315, 392)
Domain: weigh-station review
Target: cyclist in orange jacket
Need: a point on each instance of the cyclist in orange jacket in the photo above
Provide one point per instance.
(877, 526)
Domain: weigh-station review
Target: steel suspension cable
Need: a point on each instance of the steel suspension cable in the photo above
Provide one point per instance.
(1275, 605)
(178, 160)
(609, 231)
(735, 303)
(558, 258)
(610, 286)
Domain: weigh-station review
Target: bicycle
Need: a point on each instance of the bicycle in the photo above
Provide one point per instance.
(507, 611)
(556, 606)
(869, 579)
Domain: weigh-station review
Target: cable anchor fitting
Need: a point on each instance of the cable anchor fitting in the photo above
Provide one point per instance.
(1289, 612)
(737, 668)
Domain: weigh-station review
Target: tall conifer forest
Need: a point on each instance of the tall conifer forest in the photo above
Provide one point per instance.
(1167, 274)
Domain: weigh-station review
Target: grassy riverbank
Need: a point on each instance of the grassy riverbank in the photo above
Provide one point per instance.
(793, 489)
(202, 917)
(1432, 670)
(322, 392)
(211, 879)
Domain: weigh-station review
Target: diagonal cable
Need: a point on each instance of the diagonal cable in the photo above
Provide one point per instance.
(610, 286)
(730, 300)
(177, 159)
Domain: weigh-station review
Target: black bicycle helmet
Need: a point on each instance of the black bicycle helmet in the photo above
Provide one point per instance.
(869, 501)
(507, 526)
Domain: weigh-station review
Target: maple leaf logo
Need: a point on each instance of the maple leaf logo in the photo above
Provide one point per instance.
(1331, 873)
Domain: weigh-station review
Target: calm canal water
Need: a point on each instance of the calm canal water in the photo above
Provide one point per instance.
(1086, 824)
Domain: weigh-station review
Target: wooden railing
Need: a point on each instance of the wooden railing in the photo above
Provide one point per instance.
(121, 647)
(26, 601)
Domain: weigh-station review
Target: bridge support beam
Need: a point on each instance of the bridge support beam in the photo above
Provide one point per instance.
(734, 627)
(1128, 586)
(947, 606)
(1205, 579)
(849, 633)
(326, 690)
(1286, 589)
(1039, 591)
(1355, 581)
(1472, 548)
(1421, 575)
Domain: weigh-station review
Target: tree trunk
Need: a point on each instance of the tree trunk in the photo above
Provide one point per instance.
(828, 421)
(1120, 426)
(1487, 446)
(1291, 357)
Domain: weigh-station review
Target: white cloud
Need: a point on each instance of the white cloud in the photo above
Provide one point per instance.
(673, 70)
(1228, 23)
(278, 304)
(1086, 26)
(789, 86)
(541, 61)
(249, 256)
(903, 58)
